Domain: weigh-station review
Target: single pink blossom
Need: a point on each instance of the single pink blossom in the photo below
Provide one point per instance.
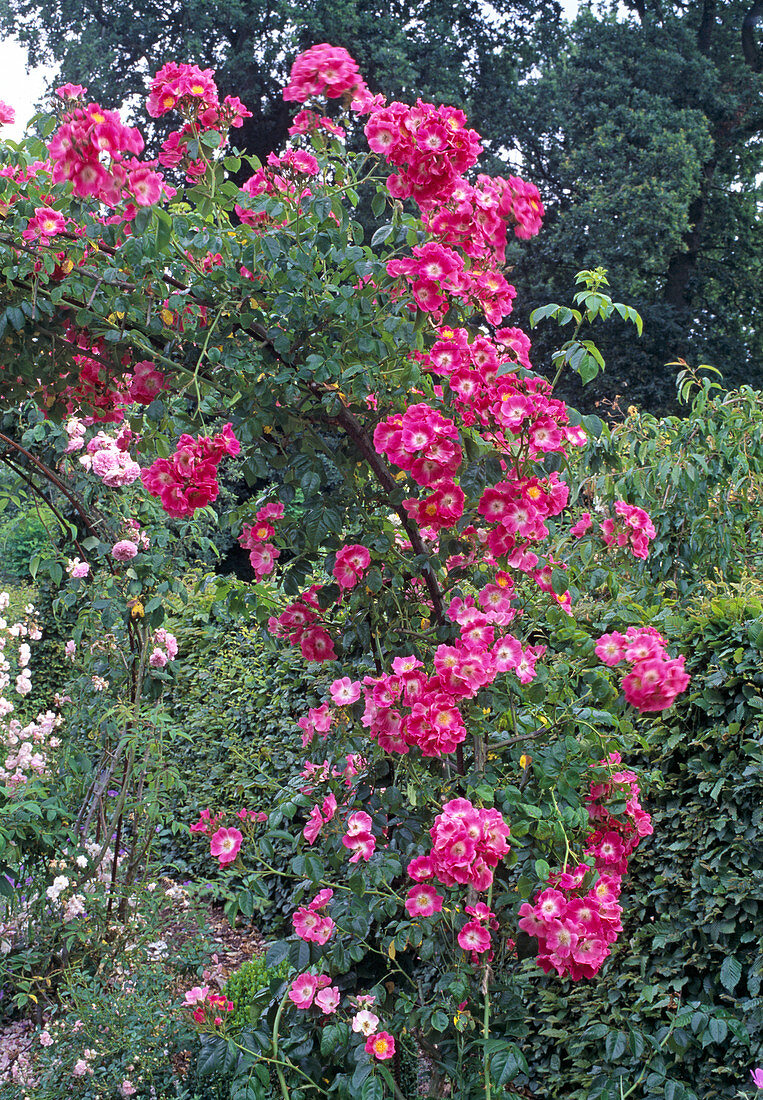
(381, 1045)
(345, 691)
(302, 990)
(225, 845)
(124, 550)
(327, 1000)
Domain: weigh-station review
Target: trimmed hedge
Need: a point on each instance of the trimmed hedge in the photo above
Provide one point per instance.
(236, 698)
(678, 1011)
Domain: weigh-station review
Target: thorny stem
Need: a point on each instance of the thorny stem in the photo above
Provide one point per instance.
(486, 1015)
(567, 850)
(359, 436)
(53, 479)
(276, 1025)
(19, 472)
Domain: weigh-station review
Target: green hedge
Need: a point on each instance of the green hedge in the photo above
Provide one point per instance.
(237, 697)
(677, 1011)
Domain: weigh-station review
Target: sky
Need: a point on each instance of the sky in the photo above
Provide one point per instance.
(21, 87)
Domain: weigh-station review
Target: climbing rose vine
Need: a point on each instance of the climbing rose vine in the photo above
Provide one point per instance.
(332, 331)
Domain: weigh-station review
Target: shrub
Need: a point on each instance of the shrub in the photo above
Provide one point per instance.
(251, 987)
(22, 538)
(700, 477)
(678, 1008)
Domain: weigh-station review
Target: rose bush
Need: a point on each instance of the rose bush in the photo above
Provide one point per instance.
(433, 582)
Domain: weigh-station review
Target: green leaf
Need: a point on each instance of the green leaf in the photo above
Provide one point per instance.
(212, 1056)
(381, 235)
(542, 313)
(718, 1029)
(378, 204)
(276, 953)
(163, 229)
(559, 581)
(542, 870)
(330, 1039)
(372, 1089)
(615, 1045)
(362, 1071)
(593, 424)
(506, 1064)
(212, 139)
(588, 369)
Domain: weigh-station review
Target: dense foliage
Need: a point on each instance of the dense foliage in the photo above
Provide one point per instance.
(459, 804)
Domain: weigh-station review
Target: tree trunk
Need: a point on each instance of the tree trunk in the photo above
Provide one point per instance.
(683, 263)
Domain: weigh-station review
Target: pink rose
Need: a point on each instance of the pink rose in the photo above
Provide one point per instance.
(381, 1045)
(124, 550)
(327, 1000)
(302, 990)
(225, 845)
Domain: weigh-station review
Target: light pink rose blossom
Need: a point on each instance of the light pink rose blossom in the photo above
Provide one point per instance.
(124, 550)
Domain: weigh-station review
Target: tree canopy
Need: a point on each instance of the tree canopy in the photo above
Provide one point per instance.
(644, 135)
(642, 128)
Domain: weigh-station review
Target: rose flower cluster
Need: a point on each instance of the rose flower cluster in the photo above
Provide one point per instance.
(88, 135)
(467, 843)
(193, 93)
(256, 536)
(574, 921)
(188, 480)
(654, 680)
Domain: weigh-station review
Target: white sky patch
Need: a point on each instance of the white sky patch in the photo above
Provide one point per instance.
(20, 87)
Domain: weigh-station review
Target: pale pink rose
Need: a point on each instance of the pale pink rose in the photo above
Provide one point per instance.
(124, 550)
(81, 1068)
(196, 995)
(365, 1022)
(303, 990)
(77, 569)
(327, 1000)
(169, 641)
(127, 1088)
(46, 1039)
(23, 683)
(345, 691)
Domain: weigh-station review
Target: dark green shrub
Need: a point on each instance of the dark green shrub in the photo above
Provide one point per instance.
(677, 1011)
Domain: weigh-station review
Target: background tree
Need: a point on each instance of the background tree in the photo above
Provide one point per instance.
(644, 135)
(442, 50)
(642, 129)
